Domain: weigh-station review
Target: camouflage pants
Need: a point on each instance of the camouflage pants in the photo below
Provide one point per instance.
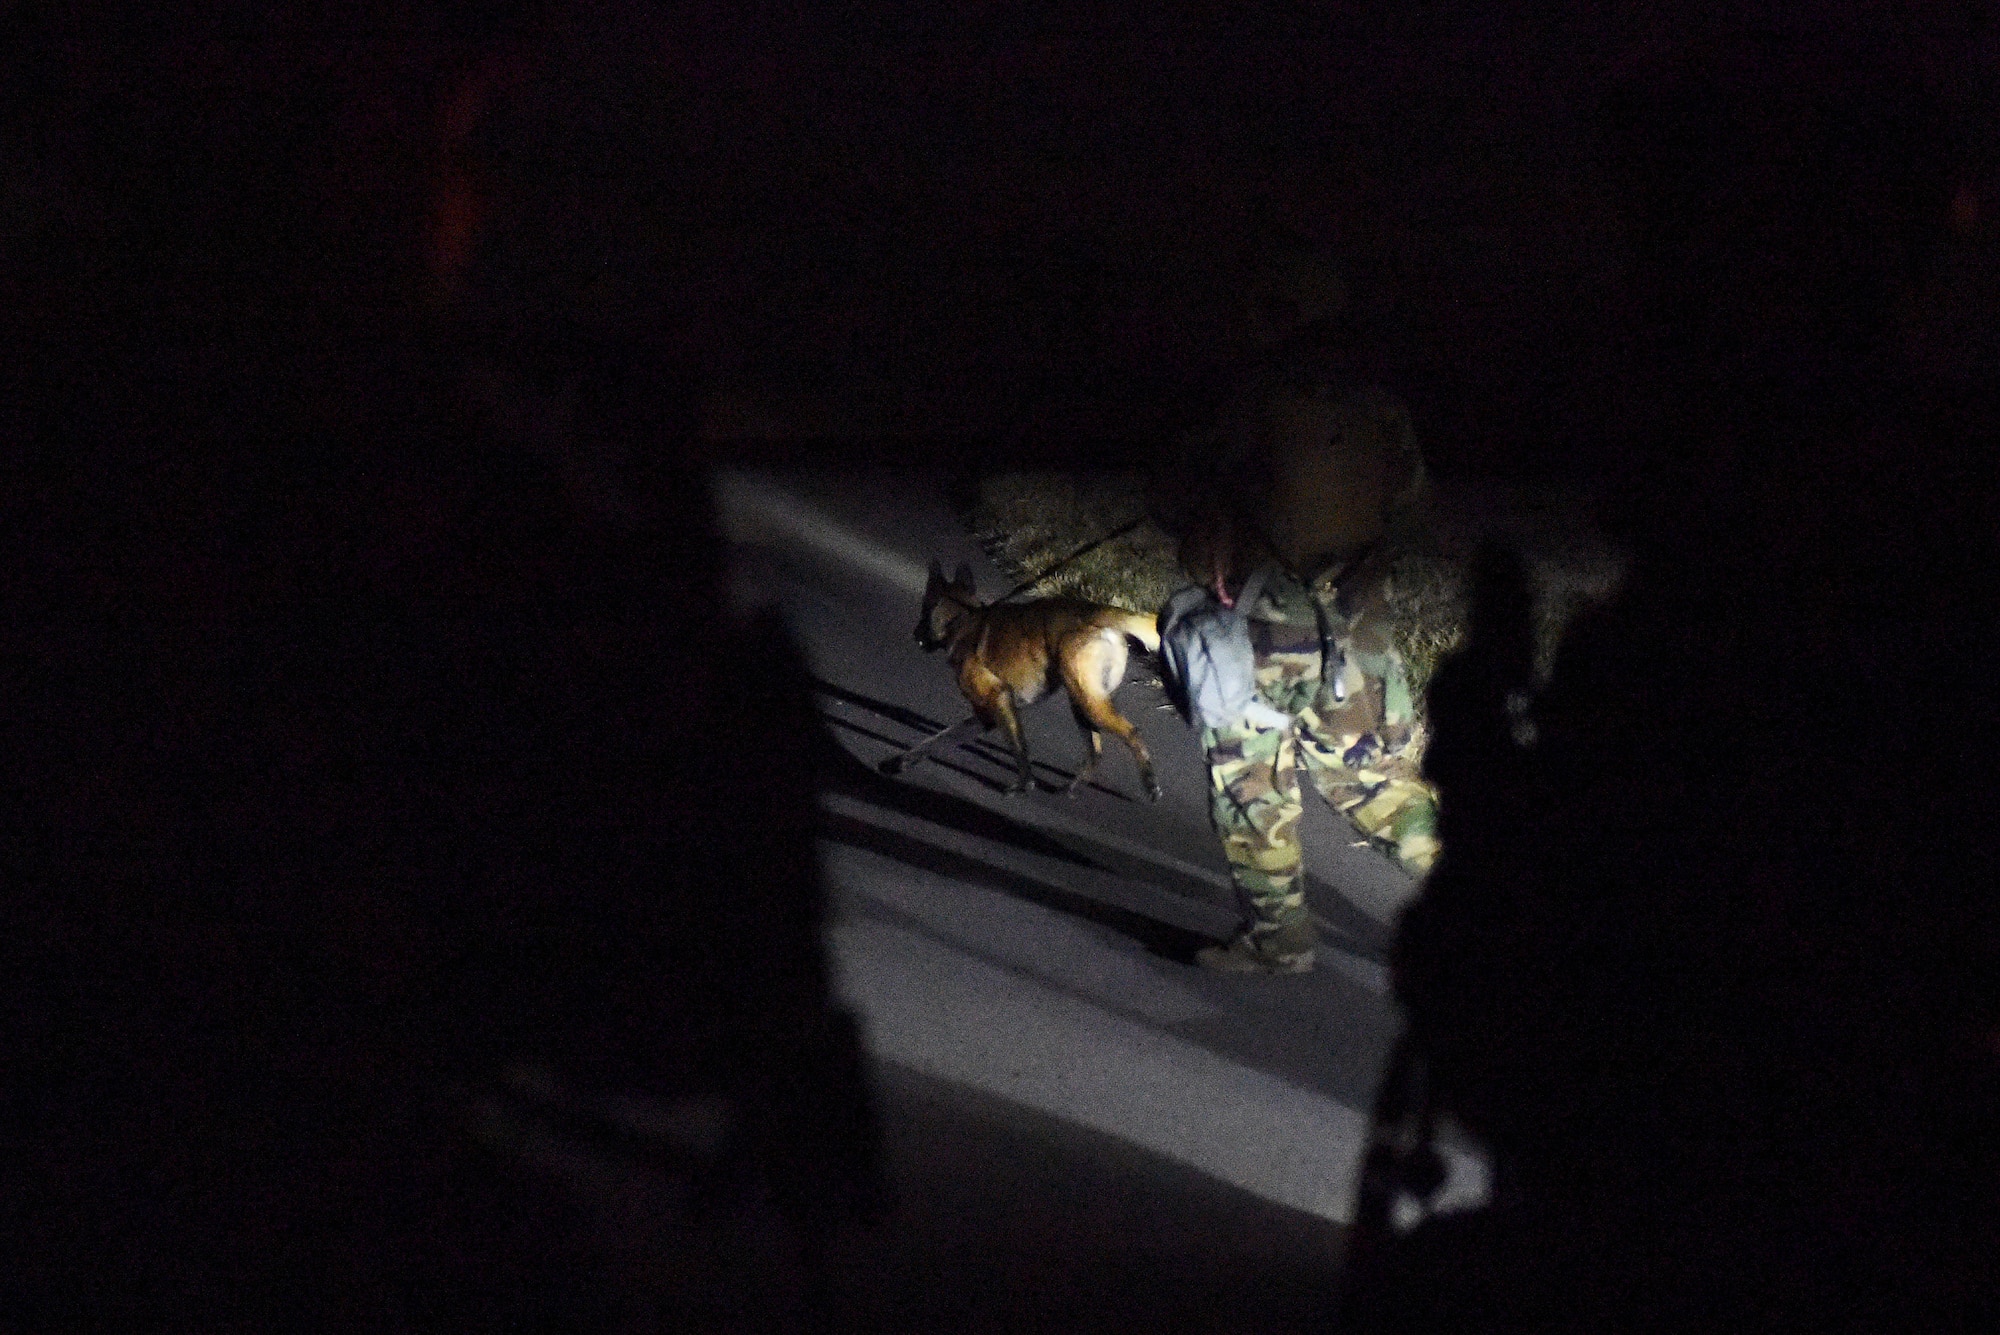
(1255, 795)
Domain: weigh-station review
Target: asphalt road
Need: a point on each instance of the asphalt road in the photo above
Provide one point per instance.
(1021, 964)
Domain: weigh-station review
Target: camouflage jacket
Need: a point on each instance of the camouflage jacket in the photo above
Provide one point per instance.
(1285, 624)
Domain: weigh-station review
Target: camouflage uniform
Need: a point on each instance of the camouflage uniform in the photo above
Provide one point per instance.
(1356, 752)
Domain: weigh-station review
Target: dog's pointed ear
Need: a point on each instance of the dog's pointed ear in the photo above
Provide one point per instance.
(963, 579)
(937, 573)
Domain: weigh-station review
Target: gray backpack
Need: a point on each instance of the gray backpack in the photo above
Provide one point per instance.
(1207, 662)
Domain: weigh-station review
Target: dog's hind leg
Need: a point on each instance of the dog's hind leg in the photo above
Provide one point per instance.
(1091, 671)
(963, 730)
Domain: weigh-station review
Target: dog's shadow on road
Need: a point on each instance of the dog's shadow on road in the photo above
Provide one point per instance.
(846, 773)
(1050, 777)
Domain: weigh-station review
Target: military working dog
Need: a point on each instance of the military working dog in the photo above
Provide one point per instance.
(1012, 654)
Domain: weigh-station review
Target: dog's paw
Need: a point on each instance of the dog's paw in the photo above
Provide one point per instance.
(1015, 790)
(1153, 793)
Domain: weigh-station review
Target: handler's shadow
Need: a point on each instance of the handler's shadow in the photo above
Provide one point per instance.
(844, 772)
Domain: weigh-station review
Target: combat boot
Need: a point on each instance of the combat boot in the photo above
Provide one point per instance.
(1264, 948)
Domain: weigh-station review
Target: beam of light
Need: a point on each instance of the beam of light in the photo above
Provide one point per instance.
(1041, 1043)
(754, 510)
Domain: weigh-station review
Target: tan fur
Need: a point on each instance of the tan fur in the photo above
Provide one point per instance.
(1012, 654)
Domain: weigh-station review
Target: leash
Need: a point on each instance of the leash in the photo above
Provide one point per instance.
(1082, 551)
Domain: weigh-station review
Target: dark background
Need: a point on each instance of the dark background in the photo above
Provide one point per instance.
(1024, 226)
(252, 256)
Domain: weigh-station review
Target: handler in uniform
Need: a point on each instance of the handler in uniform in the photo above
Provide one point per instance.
(1305, 489)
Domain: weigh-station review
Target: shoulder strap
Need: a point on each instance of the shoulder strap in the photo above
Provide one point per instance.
(1332, 659)
(1252, 587)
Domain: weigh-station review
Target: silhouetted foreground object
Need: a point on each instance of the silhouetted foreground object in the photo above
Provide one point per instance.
(353, 755)
(328, 801)
(1720, 1000)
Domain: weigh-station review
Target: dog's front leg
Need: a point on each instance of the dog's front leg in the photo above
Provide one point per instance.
(1004, 706)
(1094, 740)
(964, 730)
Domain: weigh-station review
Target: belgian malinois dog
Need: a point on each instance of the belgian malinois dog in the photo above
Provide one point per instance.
(1008, 655)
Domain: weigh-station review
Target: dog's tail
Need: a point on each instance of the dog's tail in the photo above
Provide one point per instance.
(1145, 629)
